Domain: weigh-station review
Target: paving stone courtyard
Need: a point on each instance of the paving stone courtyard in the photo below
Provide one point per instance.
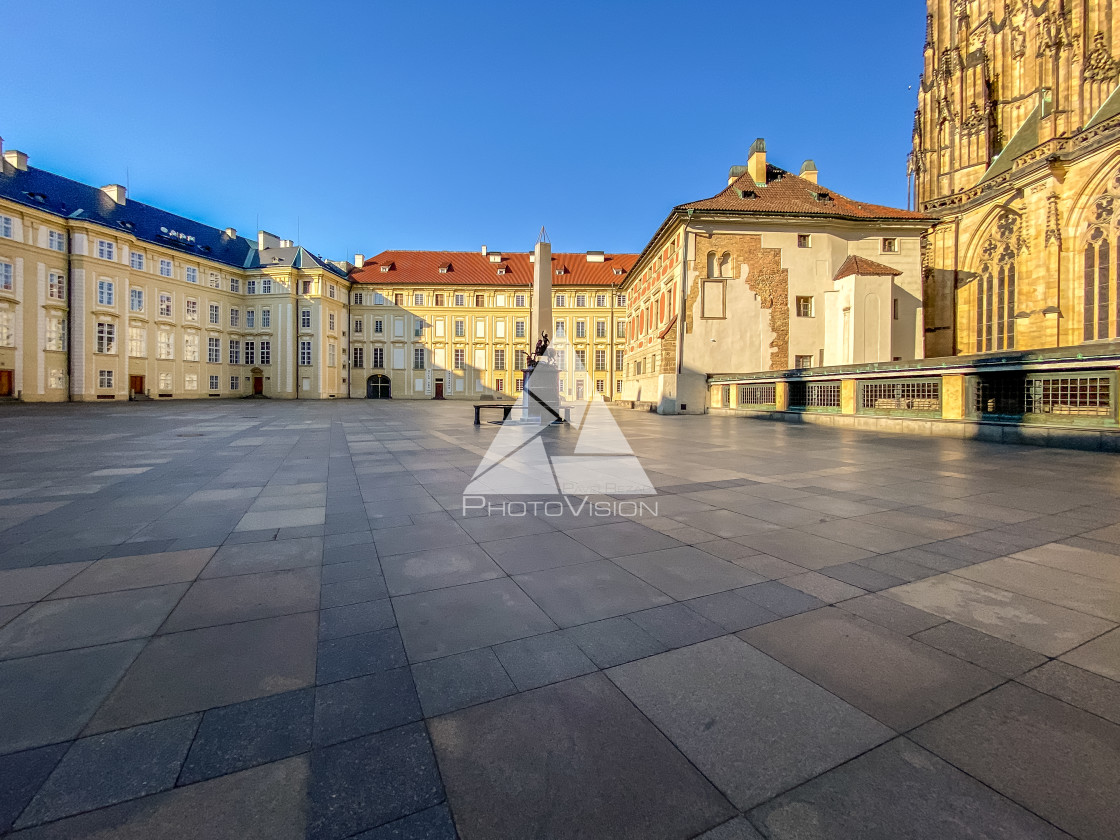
(254, 619)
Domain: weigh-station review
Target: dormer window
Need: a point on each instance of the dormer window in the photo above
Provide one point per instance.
(822, 196)
(384, 268)
(444, 268)
(620, 271)
(496, 257)
(501, 269)
(747, 193)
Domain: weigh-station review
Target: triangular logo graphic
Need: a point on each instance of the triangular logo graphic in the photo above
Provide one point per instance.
(517, 462)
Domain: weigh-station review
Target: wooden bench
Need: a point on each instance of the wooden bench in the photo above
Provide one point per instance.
(506, 408)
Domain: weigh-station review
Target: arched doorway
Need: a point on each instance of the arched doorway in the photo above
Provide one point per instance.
(378, 387)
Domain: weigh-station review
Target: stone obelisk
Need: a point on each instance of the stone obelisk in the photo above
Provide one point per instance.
(542, 381)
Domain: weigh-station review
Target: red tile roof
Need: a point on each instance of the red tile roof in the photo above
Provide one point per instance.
(471, 268)
(787, 194)
(865, 268)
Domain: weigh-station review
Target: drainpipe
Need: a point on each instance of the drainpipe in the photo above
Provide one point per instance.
(295, 330)
(69, 324)
(349, 340)
(680, 308)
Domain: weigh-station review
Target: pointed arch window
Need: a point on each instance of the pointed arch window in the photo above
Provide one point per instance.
(1101, 289)
(995, 287)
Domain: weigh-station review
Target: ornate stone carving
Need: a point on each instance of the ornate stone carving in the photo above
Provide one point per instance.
(1053, 222)
(975, 122)
(1100, 66)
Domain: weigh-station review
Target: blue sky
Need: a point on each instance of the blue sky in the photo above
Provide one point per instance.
(362, 126)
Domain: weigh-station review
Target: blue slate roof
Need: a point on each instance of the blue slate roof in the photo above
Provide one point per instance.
(71, 199)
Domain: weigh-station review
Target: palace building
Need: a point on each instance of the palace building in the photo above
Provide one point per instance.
(774, 272)
(103, 297)
(455, 324)
(1017, 153)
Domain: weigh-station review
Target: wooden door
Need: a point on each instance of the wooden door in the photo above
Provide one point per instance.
(439, 391)
(7, 382)
(258, 384)
(136, 384)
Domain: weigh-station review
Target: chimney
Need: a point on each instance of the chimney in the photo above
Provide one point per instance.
(16, 159)
(809, 171)
(267, 240)
(116, 192)
(359, 260)
(756, 162)
(484, 250)
(735, 174)
(286, 243)
(231, 233)
(596, 257)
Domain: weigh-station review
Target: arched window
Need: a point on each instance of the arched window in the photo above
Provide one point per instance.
(995, 287)
(712, 264)
(725, 265)
(1097, 298)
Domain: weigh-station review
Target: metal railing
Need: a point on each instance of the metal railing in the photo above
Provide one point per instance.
(912, 396)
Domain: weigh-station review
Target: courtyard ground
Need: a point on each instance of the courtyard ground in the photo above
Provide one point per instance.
(263, 619)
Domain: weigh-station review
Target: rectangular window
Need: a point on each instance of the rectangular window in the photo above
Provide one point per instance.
(600, 329)
(213, 383)
(332, 353)
(214, 352)
(250, 352)
(378, 326)
(418, 328)
(804, 307)
(804, 240)
(135, 300)
(620, 329)
(581, 300)
(894, 309)
(802, 362)
(561, 330)
(56, 286)
(359, 354)
(190, 382)
(106, 250)
(190, 347)
(215, 314)
(106, 337)
(266, 318)
(250, 319)
(164, 305)
(499, 359)
(266, 353)
(599, 386)
(191, 274)
(460, 358)
(250, 287)
(6, 282)
(56, 334)
(519, 329)
(234, 351)
(520, 359)
(104, 292)
(234, 316)
(418, 299)
(215, 280)
(137, 342)
(618, 359)
(164, 348)
(165, 268)
(6, 227)
(600, 360)
(460, 300)
(234, 285)
(305, 319)
(359, 325)
(480, 300)
(332, 292)
(104, 379)
(581, 329)
(378, 357)
(618, 386)
(890, 246)
(165, 381)
(519, 385)
(398, 299)
(439, 299)
(561, 301)
(519, 300)
(136, 260)
(621, 301)
(460, 328)
(56, 241)
(581, 360)
(330, 321)
(600, 300)
(418, 358)
(266, 286)
(192, 310)
(305, 352)
(235, 383)
(499, 385)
